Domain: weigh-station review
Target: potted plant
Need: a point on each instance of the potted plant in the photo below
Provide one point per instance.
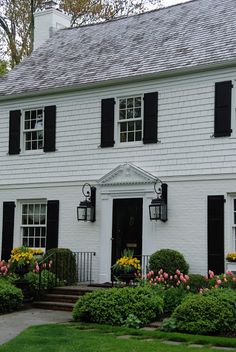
(231, 262)
(127, 267)
(22, 260)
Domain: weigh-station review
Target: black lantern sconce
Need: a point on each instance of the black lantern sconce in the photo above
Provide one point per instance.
(158, 206)
(86, 211)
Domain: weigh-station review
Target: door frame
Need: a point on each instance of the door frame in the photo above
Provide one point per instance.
(115, 216)
(107, 195)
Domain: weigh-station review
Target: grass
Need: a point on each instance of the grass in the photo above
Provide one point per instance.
(101, 338)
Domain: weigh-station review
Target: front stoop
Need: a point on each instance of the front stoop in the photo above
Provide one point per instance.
(63, 298)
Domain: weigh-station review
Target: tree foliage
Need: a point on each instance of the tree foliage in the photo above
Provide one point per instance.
(3, 67)
(17, 20)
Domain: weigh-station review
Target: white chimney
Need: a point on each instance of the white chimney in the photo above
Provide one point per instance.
(47, 22)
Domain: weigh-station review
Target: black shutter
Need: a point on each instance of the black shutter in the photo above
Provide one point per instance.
(14, 132)
(7, 229)
(150, 117)
(50, 128)
(223, 109)
(216, 234)
(52, 224)
(107, 123)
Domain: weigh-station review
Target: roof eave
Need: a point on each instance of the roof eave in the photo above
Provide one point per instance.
(123, 80)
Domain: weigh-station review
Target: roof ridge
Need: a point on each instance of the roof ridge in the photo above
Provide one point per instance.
(115, 19)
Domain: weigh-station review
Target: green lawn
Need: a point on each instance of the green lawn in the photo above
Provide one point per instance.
(82, 338)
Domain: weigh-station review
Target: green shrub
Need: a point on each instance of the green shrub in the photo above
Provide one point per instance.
(173, 297)
(63, 264)
(47, 281)
(11, 297)
(168, 260)
(196, 282)
(209, 313)
(114, 306)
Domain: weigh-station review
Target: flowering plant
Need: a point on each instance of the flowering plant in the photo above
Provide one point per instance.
(227, 280)
(23, 256)
(167, 280)
(127, 263)
(231, 257)
(3, 268)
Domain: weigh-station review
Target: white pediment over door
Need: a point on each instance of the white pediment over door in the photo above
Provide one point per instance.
(127, 174)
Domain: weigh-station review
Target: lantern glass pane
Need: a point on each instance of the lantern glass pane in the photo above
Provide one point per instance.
(82, 213)
(155, 212)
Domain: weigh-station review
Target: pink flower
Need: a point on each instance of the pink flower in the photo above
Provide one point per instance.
(171, 277)
(178, 283)
(175, 277)
(161, 271)
(186, 277)
(218, 282)
(229, 273)
(165, 276)
(188, 287)
(44, 265)
(37, 269)
(178, 272)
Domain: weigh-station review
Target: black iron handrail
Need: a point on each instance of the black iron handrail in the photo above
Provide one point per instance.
(79, 269)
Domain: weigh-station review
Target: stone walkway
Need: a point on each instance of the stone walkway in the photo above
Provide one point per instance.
(14, 323)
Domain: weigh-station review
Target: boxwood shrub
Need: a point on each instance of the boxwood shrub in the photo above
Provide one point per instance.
(211, 313)
(63, 264)
(173, 297)
(114, 306)
(196, 282)
(11, 297)
(169, 260)
(48, 280)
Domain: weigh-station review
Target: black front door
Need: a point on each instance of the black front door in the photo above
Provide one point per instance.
(127, 226)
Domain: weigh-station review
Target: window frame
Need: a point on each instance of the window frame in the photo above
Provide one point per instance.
(118, 121)
(21, 225)
(24, 131)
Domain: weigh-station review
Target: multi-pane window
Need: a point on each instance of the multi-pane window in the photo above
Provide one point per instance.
(33, 225)
(234, 223)
(130, 119)
(33, 129)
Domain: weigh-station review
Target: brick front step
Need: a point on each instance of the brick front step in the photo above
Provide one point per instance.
(72, 290)
(60, 298)
(54, 305)
(63, 298)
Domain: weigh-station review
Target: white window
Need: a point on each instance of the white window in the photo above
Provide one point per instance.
(33, 224)
(130, 124)
(33, 129)
(234, 224)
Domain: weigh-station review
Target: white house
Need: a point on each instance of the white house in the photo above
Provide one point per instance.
(125, 105)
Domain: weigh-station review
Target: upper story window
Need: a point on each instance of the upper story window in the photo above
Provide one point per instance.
(129, 119)
(130, 124)
(33, 129)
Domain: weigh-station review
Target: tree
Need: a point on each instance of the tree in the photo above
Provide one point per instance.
(89, 11)
(16, 25)
(17, 20)
(3, 67)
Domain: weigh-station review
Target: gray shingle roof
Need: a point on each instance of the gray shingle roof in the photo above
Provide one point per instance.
(188, 35)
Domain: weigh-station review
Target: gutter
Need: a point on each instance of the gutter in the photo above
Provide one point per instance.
(123, 80)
